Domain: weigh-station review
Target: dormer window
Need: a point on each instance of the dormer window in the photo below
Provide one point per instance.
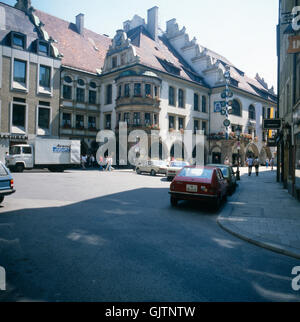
(18, 40)
(43, 48)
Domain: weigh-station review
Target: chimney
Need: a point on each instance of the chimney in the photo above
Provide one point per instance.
(80, 23)
(152, 23)
(23, 5)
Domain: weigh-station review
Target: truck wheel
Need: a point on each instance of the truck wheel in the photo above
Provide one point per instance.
(19, 168)
(1, 199)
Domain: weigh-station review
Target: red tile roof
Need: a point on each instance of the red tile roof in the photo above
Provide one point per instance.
(85, 52)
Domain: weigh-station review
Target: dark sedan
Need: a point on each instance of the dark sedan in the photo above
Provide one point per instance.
(6, 182)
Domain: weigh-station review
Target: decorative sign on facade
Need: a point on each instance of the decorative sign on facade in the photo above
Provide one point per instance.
(272, 124)
(294, 45)
(272, 142)
(219, 105)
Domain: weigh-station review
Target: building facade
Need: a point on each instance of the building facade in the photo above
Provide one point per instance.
(289, 94)
(29, 79)
(154, 80)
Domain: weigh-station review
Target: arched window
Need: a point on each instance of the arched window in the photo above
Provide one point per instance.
(252, 114)
(236, 108)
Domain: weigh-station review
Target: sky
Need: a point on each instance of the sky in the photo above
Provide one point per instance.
(243, 31)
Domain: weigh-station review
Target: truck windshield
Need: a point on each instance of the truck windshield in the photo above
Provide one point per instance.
(15, 150)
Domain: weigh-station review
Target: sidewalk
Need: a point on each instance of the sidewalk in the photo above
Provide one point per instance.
(263, 213)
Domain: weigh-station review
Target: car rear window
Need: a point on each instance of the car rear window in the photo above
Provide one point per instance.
(196, 173)
(3, 172)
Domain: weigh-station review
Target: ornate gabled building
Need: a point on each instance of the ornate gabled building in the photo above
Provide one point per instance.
(153, 79)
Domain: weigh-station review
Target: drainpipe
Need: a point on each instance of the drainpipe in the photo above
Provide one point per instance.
(279, 145)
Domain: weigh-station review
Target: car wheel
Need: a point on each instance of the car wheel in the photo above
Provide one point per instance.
(1, 199)
(19, 168)
(217, 203)
(153, 173)
(138, 171)
(174, 202)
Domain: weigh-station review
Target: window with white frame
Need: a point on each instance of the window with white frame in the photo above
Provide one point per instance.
(20, 72)
(43, 119)
(45, 77)
(80, 91)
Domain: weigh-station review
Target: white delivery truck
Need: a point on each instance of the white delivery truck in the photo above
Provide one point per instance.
(56, 155)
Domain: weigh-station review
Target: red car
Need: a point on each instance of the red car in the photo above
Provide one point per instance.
(199, 183)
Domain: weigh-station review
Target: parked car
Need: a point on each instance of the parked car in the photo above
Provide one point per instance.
(153, 167)
(199, 183)
(174, 169)
(229, 175)
(6, 182)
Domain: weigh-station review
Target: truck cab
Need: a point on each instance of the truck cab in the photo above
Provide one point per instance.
(20, 157)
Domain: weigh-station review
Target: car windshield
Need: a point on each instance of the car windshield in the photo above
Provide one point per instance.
(3, 172)
(178, 164)
(159, 163)
(15, 150)
(196, 173)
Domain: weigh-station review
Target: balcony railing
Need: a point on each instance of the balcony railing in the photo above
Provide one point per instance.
(148, 101)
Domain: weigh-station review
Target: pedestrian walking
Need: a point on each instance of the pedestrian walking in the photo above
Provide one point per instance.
(83, 161)
(250, 165)
(256, 165)
(101, 163)
(267, 163)
(272, 164)
(227, 162)
(92, 159)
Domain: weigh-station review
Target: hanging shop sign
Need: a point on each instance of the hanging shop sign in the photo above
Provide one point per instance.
(294, 45)
(272, 124)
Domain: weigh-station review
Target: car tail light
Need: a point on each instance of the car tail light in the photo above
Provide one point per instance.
(11, 183)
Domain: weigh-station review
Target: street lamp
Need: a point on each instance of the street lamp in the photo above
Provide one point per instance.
(238, 133)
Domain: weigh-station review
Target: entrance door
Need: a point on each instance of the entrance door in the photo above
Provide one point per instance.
(216, 158)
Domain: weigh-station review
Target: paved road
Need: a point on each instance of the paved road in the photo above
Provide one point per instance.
(92, 236)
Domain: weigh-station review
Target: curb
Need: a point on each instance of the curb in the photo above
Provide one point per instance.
(261, 243)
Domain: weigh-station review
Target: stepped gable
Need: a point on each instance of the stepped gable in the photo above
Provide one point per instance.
(84, 51)
(161, 56)
(211, 65)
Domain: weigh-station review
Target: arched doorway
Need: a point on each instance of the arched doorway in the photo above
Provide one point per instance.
(177, 151)
(252, 151)
(162, 152)
(216, 155)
